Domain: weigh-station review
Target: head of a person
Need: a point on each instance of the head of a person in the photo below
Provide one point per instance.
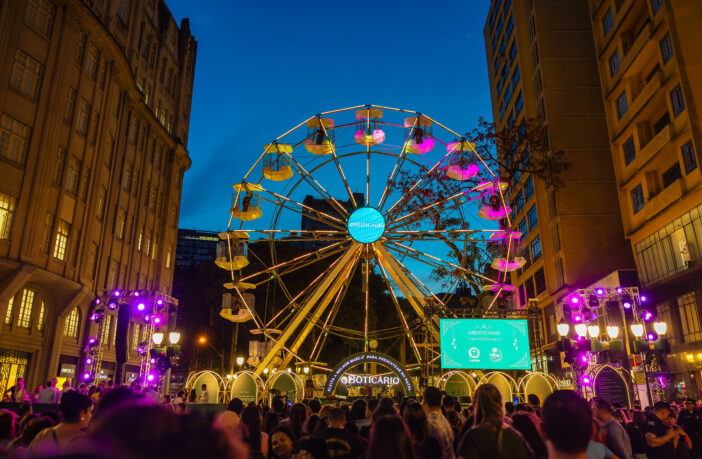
(432, 398)
(236, 406)
(24, 409)
(66, 384)
(661, 410)
(118, 397)
(359, 409)
(281, 442)
(454, 419)
(618, 414)
(203, 387)
(533, 400)
(416, 420)
(371, 405)
(49, 383)
(447, 402)
(76, 408)
(54, 382)
(689, 404)
(19, 383)
(487, 406)
(32, 428)
(638, 417)
(278, 404)
(389, 437)
(298, 415)
(315, 405)
(270, 422)
(601, 409)
(566, 422)
(8, 424)
(526, 424)
(251, 418)
(337, 418)
(509, 408)
(311, 424)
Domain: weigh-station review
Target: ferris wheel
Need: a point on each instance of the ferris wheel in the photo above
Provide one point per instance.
(355, 193)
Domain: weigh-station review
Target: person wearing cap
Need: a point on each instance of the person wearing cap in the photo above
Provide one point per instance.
(691, 422)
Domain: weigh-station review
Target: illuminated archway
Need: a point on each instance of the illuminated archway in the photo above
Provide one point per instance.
(215, 385)
(537, 383)
(504, 383)
(369, 357)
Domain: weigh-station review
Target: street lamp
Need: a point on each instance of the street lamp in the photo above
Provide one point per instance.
(306, 370)
(157, 338)
(174, 337)
(660, 328)
(240, 361)
(613, 331)
(581, 330)
(593, 331)
(637, 330)
(563, 329)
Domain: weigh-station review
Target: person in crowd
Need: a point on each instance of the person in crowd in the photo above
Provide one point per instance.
(279, 407)
(425, 446)
(454, 420)
(192, 396)
(660, 438)
(204, 394)
(390, 439)
(281, 443)
(635, 430)
(66, 387)
(76, 410)
(439, 426)
(296, 421)
(619, 415)
(270, 422)
(20, 392)
(311, 425)
(535, 403)
(359, 411)
(236, 406)
(30, 431)
(315, 406)
(490, 436)
(179, 398)
(691, 421)
(527, 425)
(597, 449)
(447, 403)
(253, 435)
(340, 442)
(509, 409)
(34, 396)
(8, 427)
(616, 438)
(683, 444)
(371, 406)
(48, 394)
(566, 425)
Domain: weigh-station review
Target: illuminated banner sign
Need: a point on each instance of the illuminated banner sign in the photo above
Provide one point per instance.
(366, 225)
(339, 372)
(490, 344)
(366, 380)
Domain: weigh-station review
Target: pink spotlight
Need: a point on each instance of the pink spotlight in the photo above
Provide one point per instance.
(92, 341)
(153, 360)
(159, 302)
(116, 293)
(584, 358)
(86, 376)
(643, 298)
(648, 316)
(136, 293)
(88, 361)
(627, 305)
(578, 318)
(575, 300)
(586, 380)
(150, 378)
(157, 320)
(620, 290)
(141, 306)
(599, 291)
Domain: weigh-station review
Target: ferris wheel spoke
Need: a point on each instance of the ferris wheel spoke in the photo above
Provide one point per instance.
(398, 166)
(338, 167)
(315, 214)
(429, 207)
(317, 186)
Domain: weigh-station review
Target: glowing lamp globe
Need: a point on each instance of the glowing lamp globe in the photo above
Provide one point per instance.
(112, 306)
(575, 300)
(620, 290)
(600, 291)
(141, 307)
(581, 330)
(265, 371)
(240, 361)
(116, 293)
(613, 331)
(174, 337)
(159, 302)
(563, 329)
(306, 370)
(627, 305)
(643, 298)
(637, 330)
(660, 327)
(157, 320)
(86, 376)
(593, 331)
(88, 361)
(157, 338)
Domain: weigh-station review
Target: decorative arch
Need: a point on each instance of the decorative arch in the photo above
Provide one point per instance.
(504, 383)
(213, 381)
(538, 383)
(369, 357)
(626, 378)
(235, 381)
(297, 381)
(465, 377)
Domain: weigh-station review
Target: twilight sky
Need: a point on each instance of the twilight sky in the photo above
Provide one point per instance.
(264, 67)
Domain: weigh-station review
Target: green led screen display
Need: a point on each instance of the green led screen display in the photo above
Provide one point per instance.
(490, 344)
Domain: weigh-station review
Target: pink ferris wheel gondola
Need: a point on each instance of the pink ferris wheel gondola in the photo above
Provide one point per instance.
(369, 132)
(418, 132)
(462, 165)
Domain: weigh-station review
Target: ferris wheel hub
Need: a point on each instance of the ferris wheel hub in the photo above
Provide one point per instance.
(366, 225)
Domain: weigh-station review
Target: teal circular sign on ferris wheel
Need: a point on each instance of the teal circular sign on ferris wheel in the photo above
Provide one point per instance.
(366, 225)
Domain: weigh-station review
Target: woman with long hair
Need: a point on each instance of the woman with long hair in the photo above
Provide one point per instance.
(390, 439)
(253, 435)
(526, 424)
(425, 446)
(270, 422)
(296, 420)
(490, 436)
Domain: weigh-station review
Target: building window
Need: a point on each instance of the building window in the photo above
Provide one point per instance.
(146, 46)
(539, 281)
(662, 122)
(503, 48)
(518, 104)
(72, 176)
(127, 176)
(24, 316)
(100, 208)
(133, 130)
(689, 318)
(8, 313)
(26, 75)
(622, 105)
(498, 30)
(123, 10)
(560, 279)
(119, 223)
(533, 218)
(168, 257)
(676, 98)
(60, 161)
(70, 325)
(656, 5)
(46, 236)
(555, 238)
(666, 48)
(40, 319)
(689, 158)
(141, 235)
(7, 211)
(637, 198)
(629, 150)
(607, 21)
(513, 51)
(40, 16)
(80, 49)
(535, 249)
(614, 62)
(14, 139)
(70, 104)
(82, 118)
(671, 175)
(84, 182)
(528, 188)
(61, 240)
(91, 67)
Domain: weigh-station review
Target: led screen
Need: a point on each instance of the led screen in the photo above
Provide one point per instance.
(366, 225)
(490, 344)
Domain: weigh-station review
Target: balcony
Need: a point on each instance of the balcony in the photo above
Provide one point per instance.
(636, 47)
(664, 199)
(655, 145)
(642, 98)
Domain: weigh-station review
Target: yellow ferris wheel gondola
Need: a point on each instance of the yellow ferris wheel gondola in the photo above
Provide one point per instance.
(232, 250)
(369, 132)
(246, 202)
(276, 162)
(320, 136)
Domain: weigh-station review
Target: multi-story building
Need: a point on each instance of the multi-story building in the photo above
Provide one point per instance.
(648, 54)
(542, 65)
(94, 113)
(195, 247)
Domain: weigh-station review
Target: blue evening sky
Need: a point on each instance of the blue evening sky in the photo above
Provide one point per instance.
(265, 66)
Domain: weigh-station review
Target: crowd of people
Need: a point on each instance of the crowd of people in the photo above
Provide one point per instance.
(133, 422)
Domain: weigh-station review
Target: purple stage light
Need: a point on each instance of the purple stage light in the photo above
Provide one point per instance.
(116, 293)
(141, 306)
(147, 317)
(97, 300)
(651, 337)
(575, 300)
(88, 361)
(157, 320)
(648, 316)
(586, 380)
(94, 316)
(112, 306)
(620, 290)
(584, 358)
(153, 360)
(577, 318)
(627, 305)
(599, 291)
(150, 377)
(643, 298)
(86, 376)
(136, 293)
(159, 302)
(92, 341)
